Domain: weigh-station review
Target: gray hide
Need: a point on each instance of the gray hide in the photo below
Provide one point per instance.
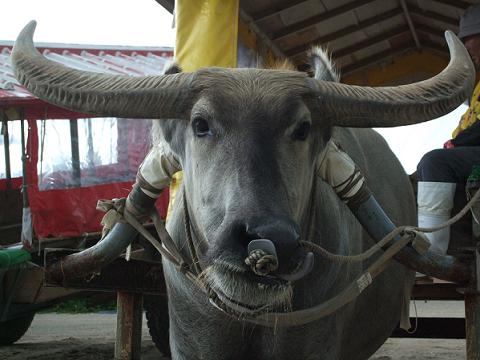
(240, 173)
(248, 141)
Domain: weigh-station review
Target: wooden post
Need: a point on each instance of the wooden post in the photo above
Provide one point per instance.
(472, 305)
(129, 326)
(472, 324)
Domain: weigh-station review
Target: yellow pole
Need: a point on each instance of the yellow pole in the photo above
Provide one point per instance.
(206, 35)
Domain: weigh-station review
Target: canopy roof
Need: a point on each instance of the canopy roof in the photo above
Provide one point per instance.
(122, 60)
(361, 34)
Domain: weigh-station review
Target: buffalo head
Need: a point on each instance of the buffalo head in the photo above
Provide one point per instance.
(248, 141)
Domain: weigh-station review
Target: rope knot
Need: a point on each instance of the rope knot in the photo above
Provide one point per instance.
(113, 213)
(420, 241)
(261, 262)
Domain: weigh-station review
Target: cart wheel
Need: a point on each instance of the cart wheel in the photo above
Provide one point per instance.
(156, 311)
(13, 329)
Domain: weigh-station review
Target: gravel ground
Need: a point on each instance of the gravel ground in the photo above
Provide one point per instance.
(92, 337)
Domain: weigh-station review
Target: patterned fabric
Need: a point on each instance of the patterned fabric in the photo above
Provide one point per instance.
(471, 115)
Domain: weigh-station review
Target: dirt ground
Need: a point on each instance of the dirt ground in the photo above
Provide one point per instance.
(73, 336)
(92, 337)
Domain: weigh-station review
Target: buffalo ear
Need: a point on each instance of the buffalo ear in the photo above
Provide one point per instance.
(169, 131)
(322, 65)
(173, 68)
(306, 68)
(319, 65)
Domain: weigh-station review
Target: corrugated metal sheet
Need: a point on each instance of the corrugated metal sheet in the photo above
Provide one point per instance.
(129, 61)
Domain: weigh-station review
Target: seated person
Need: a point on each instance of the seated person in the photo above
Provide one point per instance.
(440, 170)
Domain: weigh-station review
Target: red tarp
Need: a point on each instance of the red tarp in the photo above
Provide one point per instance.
(63, 209)
(72, 211)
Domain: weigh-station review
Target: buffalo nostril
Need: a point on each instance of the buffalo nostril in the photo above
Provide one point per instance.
(263, 260)
(262, 256)
(262, 244)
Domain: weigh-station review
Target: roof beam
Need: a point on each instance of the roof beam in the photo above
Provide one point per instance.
(247, 19)
(437, 47)
(438, 33)
(313, 20)
(345, 31)
(433, 15)
(167, 4)
(384, 55)
(460, 4)
(431, 30)
(410, 24)
(370, 41)
(370, 60)
(440, 47)
(275, 9)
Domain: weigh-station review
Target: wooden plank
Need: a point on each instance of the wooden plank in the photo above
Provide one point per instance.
(375, 58)
(439, 33)
(386, 35)
(129, 326)
(313, 20)
(472, 313)
(345, 31)
(436, 291)
(433, 328)
(433, 15)
(128, 276)
(275, 9)
(472, 318)
(460, 4)
(169, 5)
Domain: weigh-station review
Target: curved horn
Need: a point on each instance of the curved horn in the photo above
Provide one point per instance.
(163, 96)
(357, 106)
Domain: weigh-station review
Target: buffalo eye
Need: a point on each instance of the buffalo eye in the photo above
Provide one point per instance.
(302, 131)
(200, 127)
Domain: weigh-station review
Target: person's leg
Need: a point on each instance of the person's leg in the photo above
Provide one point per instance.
(439, 172)
(435, 203)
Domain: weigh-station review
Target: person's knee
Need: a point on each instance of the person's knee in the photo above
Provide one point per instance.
(431, 164)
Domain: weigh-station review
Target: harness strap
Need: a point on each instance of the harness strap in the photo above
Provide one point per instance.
(188, 233)
(166, 240)
(179, 262)
(300, 317)
(419, 243)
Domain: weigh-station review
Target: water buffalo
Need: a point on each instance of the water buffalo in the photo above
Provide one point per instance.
(248, 141)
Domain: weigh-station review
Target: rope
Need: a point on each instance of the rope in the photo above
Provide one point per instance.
(352, 291)
(264, 316)
(417, 240)
(188, 233)
(261, 263)
(113, 210)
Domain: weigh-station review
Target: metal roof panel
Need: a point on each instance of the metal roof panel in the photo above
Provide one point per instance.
(130, 61)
